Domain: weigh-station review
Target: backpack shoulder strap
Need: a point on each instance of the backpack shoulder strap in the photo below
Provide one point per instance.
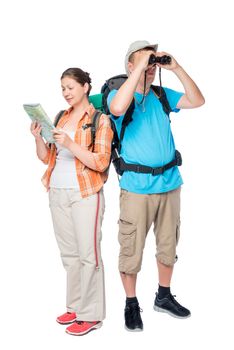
(56, 120)
(161, 94)
(95, 122)
(126, 120)
(58, 117)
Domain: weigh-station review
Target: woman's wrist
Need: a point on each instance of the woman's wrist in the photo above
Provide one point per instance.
(38, 138)
(71, 146)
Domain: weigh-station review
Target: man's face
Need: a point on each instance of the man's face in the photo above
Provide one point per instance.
(151, 70)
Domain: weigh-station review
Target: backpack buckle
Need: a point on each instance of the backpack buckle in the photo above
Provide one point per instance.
(86, 126)
(157, 171)
(138, 169)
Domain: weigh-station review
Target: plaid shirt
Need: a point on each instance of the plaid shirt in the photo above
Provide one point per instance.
(90, 181)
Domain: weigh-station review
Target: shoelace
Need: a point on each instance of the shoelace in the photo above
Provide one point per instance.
(134, 311)
(82, 322)
(172, 297)
(135, 308)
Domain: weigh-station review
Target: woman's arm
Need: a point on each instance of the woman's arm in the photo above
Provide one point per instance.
(42, 149)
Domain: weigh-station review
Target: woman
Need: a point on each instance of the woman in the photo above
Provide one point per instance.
(74, 178)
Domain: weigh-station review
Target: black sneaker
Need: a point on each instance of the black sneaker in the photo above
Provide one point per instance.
(171, 306)
(133, 321)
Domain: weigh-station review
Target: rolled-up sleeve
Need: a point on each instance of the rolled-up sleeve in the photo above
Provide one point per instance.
(102, 146)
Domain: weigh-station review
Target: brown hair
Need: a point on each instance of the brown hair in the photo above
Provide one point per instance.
(79, 76)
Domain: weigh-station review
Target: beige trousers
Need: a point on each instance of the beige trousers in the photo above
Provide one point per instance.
(77, 226)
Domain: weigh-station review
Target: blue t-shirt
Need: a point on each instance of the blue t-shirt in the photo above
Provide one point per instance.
(148, 140)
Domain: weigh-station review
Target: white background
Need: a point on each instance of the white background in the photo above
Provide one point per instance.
(39, 40)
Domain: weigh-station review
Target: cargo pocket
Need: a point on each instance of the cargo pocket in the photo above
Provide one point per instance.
(127, 237)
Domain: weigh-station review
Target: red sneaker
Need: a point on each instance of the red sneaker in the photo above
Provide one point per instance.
(67, 318)
(82, 327)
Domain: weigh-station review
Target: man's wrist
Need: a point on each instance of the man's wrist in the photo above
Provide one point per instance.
(139, 69)
(177, 69)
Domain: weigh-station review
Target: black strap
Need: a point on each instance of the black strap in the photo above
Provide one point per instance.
(126, 120)
(58, 117)
(93, 126)
(56, 120)
(143, 97)
(161, 94)
(177, 161)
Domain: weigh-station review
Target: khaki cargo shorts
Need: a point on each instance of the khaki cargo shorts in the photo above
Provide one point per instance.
(137, 213)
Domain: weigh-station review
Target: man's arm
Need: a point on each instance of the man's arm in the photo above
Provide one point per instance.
(124, 95)
(193, 97)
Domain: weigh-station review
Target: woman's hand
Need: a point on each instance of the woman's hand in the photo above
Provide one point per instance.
(35, 129)
(62, 138)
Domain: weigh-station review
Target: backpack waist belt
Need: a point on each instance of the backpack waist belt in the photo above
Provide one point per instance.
(177, 161)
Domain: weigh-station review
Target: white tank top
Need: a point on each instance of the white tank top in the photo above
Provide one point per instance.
(64, 173)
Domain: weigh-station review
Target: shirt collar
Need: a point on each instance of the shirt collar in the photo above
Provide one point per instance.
(88, 111)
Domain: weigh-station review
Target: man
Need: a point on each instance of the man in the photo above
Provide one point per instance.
(149, 198)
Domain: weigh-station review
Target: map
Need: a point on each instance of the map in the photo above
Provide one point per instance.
(37, 113)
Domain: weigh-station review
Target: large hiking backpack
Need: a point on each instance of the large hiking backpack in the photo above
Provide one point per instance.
(118, 162)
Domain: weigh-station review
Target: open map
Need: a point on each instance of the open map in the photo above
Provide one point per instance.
(37, 113)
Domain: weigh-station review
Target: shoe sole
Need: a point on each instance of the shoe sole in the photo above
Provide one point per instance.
(159, 309)
(133, 330)
(96, 326)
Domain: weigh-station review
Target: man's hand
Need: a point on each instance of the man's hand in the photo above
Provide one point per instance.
(62, 138)
(141, 59)
(172, 66)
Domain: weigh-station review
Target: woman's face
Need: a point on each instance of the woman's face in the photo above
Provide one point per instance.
(73, 92)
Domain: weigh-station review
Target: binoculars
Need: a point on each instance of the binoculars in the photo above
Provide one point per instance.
(161, 60)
